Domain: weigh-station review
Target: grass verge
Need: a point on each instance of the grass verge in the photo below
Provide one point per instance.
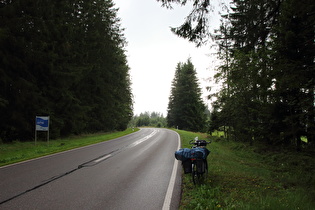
(246, 177)
(21, 151)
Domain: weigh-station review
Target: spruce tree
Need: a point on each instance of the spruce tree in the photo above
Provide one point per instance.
(267, 48)
(186, 109)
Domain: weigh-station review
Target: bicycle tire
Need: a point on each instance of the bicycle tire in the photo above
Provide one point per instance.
(194, 173)
(196, 177)
(205, 175)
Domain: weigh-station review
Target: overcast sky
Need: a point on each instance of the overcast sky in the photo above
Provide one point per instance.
(153, 52)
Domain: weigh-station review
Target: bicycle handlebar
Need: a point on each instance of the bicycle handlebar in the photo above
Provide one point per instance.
(199, 142)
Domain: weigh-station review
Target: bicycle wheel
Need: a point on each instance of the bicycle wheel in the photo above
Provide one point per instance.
(205, 175)
(196, 177)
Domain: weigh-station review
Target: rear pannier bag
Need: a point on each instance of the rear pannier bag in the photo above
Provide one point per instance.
(187, 166)
(200, 166)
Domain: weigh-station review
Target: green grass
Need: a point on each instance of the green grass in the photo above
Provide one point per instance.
(20, 151)
(246, 177)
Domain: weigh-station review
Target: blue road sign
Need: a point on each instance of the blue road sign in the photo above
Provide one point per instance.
(42, 123)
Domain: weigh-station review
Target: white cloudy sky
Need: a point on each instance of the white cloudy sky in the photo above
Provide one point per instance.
(153, 52)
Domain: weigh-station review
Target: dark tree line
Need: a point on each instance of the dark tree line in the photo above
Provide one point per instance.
(65, 59)
(186, 110)
(267, 51)
(269, 77)
(152, 119)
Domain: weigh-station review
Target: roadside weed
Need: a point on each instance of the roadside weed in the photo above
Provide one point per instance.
(242, 178)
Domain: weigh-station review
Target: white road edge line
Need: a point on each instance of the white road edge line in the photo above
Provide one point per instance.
(102, 158)
(171, 185)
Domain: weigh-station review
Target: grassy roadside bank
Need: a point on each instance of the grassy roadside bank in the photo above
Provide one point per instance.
(21, 151)
(245, 177)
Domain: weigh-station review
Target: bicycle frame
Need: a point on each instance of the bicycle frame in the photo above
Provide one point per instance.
(199, 170)
(199, 166)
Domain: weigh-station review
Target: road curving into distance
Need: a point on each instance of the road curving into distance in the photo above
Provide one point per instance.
(137, 171)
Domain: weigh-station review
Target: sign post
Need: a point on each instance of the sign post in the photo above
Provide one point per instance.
(42, 124)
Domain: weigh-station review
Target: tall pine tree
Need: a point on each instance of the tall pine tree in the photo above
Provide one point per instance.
(186, 109)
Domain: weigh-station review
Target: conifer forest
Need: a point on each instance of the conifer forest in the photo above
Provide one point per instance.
(63, 59)
(266, 50)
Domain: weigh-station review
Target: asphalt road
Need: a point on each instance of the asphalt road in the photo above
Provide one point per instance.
(137, 171)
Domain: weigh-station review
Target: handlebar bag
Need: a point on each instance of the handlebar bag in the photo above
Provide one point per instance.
(201, 143)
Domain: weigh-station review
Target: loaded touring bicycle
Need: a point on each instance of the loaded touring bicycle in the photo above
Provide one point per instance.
(194, 160)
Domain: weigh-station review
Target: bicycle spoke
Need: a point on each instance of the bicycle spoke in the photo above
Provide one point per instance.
(194, 173)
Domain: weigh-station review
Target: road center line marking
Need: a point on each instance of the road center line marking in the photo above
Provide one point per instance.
(130, 146)
(143, 139)
(102, 158)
